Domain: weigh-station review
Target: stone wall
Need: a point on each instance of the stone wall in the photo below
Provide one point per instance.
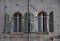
(12, 6)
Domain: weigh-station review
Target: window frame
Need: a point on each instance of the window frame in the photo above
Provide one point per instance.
(47, 21)
(18, 17)
(31, 22)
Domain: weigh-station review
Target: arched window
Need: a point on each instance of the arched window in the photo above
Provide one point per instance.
(17, 22)
(42, 22)
(31, 22)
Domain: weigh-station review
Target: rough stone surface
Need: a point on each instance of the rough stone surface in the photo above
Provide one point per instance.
(13, 6)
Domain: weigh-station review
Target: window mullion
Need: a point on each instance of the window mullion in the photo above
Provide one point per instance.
(42, 22)
(17, 23)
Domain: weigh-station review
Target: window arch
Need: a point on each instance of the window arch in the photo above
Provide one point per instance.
(42, 21)
(31, 22)
(17, 22)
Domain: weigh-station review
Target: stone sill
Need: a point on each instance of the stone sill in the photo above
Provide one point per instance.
(19, 33)
(38, 32)
(16, 33)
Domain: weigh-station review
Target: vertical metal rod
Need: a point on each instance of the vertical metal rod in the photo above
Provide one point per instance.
(28, 22)
(28, 18)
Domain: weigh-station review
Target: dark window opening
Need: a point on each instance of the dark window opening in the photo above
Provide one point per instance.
(17, 22)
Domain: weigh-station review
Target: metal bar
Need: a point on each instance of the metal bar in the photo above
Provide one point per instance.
(28, 19)
(28, 22)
